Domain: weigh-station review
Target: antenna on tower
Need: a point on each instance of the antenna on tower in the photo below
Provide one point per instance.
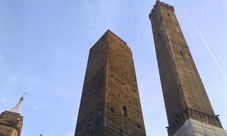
(41, 133)
(24, 94)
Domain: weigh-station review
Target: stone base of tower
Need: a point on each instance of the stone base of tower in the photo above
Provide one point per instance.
(195, 128)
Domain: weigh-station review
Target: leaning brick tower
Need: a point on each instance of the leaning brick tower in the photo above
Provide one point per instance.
(110, 103)
(189, 111)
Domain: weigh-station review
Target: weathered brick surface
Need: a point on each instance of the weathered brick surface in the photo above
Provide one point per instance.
(110, 91)
(184, 94)
(10, 123)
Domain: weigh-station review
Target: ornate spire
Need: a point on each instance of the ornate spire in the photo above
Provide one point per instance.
(16, 109)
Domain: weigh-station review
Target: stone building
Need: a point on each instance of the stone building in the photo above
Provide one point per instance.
(189, 111)
(110, 103)
(11, 121)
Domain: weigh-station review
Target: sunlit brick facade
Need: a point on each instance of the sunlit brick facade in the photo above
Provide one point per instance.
(183, 91)
(110, 104)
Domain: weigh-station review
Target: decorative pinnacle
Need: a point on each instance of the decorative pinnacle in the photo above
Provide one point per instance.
(17, 108)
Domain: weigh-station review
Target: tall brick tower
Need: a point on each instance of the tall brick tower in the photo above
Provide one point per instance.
(11, 121)
(186, 102)
(110, 104)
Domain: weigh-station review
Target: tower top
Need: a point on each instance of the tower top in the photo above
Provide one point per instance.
(41, 133)
(160, 4)
(110, 32)
(17, 108)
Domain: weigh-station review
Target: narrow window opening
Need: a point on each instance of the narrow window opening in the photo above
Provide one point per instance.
(181, 53)
(100, 111)
(125, 111)
(89, 121)
(112, 109)
(159, 35)
(139, 126)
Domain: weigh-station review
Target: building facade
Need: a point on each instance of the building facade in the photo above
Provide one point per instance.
(110, 103)
(11, 121)
(184, 94)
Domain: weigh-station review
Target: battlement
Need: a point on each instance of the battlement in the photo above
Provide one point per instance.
(161, 4)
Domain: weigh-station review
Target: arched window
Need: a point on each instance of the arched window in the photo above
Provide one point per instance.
(125, 111)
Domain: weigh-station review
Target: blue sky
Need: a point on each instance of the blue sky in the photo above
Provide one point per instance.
(44, 46)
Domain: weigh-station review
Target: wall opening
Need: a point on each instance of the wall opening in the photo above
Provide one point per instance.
(181, 53)
(125, 111)
(112, 109)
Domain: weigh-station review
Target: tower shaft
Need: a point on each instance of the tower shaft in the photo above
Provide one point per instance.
(183, 91)
(110, 104)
